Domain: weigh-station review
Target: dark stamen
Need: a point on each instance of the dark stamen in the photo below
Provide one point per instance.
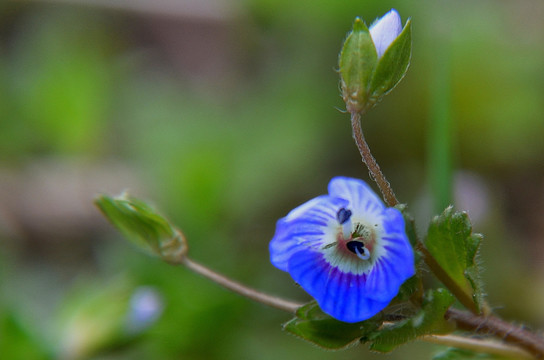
(343, 215)
(352, 245)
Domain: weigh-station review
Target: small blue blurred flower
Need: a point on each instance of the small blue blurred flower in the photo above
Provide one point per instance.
(346, 249)
(146, 307)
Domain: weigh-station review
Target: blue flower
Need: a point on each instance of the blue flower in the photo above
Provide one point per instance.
(346, 249)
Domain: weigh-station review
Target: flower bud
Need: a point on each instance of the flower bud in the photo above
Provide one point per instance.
(373, 61)
(143, 226)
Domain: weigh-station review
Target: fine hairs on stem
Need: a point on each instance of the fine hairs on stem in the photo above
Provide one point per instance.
(490, 325)
(516, 342)
(370, 162)
(529, 344)
(255, 295)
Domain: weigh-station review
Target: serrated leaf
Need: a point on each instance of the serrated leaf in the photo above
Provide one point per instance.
(393, 65)
(429, 320)
(453, 245)
(143, 226)
(313, 325)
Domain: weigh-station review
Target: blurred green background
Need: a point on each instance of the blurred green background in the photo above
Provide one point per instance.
(226, 115)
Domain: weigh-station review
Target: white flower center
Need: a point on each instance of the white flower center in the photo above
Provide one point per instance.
(354, 248)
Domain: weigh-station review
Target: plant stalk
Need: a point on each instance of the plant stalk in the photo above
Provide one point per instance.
(370, 162)
(491, 325)
(478, 345)
(532, 344)
(391, 200)
(260, 297)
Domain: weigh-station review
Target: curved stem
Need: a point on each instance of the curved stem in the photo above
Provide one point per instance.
(391, 200)
(474, 322)
(370, 162)
(269, 300)
(491, 325)
(477, 345)
(532, 343)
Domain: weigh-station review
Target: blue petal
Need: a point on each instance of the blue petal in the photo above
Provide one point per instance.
(357, 192)
(396, 243)
(382, 282)
(282, 246)
(394, 221)
(310, 270)
(307, 226)
(341, 295)
(396, 265)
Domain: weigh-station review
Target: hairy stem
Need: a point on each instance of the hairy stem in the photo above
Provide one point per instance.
(370, 162)
(484, 325)
(391, 200)
(269, 300)
(445, 279)
(478, 345)
(491, 325)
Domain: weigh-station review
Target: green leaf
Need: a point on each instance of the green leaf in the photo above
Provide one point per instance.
(143, 226)
(357, 62)
(313, 325)
(453, 245)
(429, 320)
(393, 65)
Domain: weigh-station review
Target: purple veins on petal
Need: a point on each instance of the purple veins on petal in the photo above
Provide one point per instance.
(345, 302)
(310, 271)
(332, 294)
(357, 191)
(345, 249)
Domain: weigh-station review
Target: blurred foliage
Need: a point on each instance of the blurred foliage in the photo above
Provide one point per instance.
(232, 120)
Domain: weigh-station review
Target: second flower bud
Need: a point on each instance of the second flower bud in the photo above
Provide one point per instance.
(373, 61)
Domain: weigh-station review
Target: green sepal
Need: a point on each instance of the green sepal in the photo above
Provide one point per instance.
(393, 65)
(428, 320)
(357, 62)
(143, 226)
(411, 289)
(453, 245)
(313, 325)
(409, 223)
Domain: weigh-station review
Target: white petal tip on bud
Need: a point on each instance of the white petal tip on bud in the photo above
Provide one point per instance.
(385, 30)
